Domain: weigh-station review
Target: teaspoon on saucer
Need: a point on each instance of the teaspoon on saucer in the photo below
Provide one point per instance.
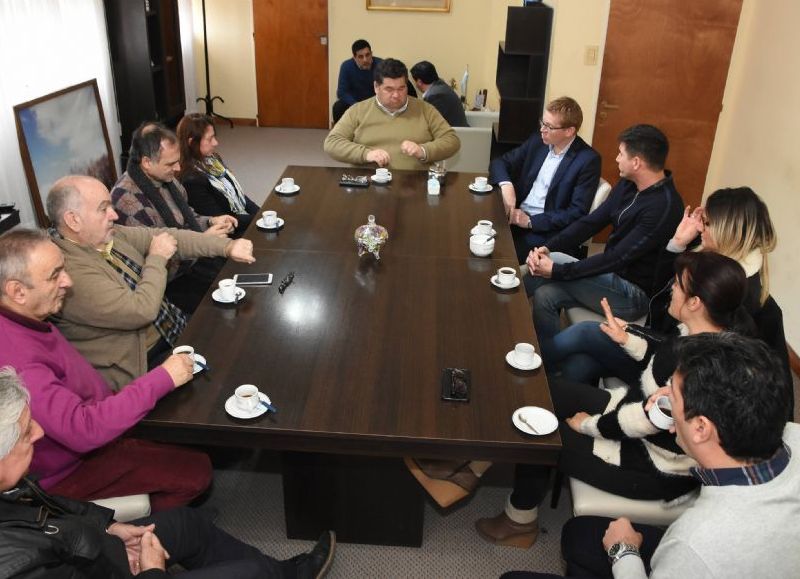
(528, 424)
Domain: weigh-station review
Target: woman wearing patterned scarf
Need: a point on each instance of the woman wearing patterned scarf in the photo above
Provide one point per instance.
(211, 187)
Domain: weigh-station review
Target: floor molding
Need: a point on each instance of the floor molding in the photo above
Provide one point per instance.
(244, 122)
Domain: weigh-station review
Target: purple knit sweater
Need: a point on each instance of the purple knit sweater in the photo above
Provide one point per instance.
(69, 398)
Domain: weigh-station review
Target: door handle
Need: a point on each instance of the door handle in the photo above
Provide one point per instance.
(608, 106)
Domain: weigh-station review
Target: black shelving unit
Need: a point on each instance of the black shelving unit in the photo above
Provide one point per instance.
(145, 44)
(522, 62)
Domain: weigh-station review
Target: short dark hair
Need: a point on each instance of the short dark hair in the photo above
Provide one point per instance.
(390, 68)
(424, 71)
(146, 141)
(739, 384)
(647, 142)
(360, 44)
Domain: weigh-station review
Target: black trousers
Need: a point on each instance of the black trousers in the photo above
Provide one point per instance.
(577, 459)
(207, 552)
(582, 549)
(338, 110)
(188, 289)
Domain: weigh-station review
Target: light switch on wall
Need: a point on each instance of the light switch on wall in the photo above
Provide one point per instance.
(590, 55)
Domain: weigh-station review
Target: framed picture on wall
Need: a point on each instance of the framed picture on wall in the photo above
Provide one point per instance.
(63, 133)
(410, 5)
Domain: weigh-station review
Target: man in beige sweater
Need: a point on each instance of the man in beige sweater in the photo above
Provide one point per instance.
(116, 314)
(392, 130)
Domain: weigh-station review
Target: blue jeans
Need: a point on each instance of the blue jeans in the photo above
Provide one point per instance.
(627, 301)
(584, 354)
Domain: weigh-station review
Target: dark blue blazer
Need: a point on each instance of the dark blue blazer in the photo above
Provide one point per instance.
(573, 186)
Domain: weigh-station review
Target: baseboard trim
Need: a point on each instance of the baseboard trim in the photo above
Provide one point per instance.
(244, 122)
(794, 360)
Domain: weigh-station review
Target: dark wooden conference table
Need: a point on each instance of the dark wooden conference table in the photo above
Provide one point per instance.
(352, 353)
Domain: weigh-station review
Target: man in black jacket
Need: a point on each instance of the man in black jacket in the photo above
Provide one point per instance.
(47, 536)
(643, 210)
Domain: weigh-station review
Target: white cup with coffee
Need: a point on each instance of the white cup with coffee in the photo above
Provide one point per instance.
(287, 184)
(524, 354)
(480, 183)
(382, 174)
(227, 290)
(270, 218)
(660, 413)
(484, 227)
(246, 397)
(188, 350)
(506, 275)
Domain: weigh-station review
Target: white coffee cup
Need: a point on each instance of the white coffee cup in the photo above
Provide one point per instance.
(382, 173)
(524, 354)
(270, 218)
(287, 184)
(246, 397)
(184, 350)
(227, 290)
(660, 413)
(480, 183)
(484, 227)
(506, 275)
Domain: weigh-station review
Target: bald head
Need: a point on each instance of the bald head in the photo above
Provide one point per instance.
(80, 208)
(65, 196)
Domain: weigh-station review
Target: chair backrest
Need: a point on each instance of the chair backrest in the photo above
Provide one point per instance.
(603, 189)
(476, 147)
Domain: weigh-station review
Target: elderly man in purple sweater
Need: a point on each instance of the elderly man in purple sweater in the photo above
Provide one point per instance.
(82, 456)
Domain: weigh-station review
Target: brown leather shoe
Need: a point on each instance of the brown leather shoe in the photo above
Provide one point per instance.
(501, 530)
(448, 486)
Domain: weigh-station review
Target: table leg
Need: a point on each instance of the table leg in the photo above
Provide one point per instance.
(372, 500)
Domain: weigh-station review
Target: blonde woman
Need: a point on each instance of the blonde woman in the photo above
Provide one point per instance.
(735, 223)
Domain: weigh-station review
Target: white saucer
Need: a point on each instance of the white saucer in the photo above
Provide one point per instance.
(197, 367)
(232, 409)
(486, 189)
(477, 230)
(542, 420)
(260, 224)
(537, 361)
(496, 283)
(215, 295)
(281, 190)
(376, 179)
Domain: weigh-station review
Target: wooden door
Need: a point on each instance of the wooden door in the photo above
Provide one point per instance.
(291, 44)
(666, 64)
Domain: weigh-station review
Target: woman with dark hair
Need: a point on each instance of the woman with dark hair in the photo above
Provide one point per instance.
(734, 222)
(211, 187)
(608, 440)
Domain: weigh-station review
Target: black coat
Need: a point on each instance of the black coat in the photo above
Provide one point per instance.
(53, 537)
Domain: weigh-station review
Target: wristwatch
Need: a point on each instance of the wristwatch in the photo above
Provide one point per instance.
(618, 550)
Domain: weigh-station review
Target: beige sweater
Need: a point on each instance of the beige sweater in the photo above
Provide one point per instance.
(102, 317)
(365, 127)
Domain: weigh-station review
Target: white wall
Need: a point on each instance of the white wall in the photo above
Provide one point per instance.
(756, 140)
(45, 46)
(466, 36)
(231, 54)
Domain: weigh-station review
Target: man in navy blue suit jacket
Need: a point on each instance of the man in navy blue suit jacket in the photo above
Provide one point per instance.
(550, 180)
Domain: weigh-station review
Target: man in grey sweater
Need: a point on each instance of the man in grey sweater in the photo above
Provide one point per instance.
(729, 402)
